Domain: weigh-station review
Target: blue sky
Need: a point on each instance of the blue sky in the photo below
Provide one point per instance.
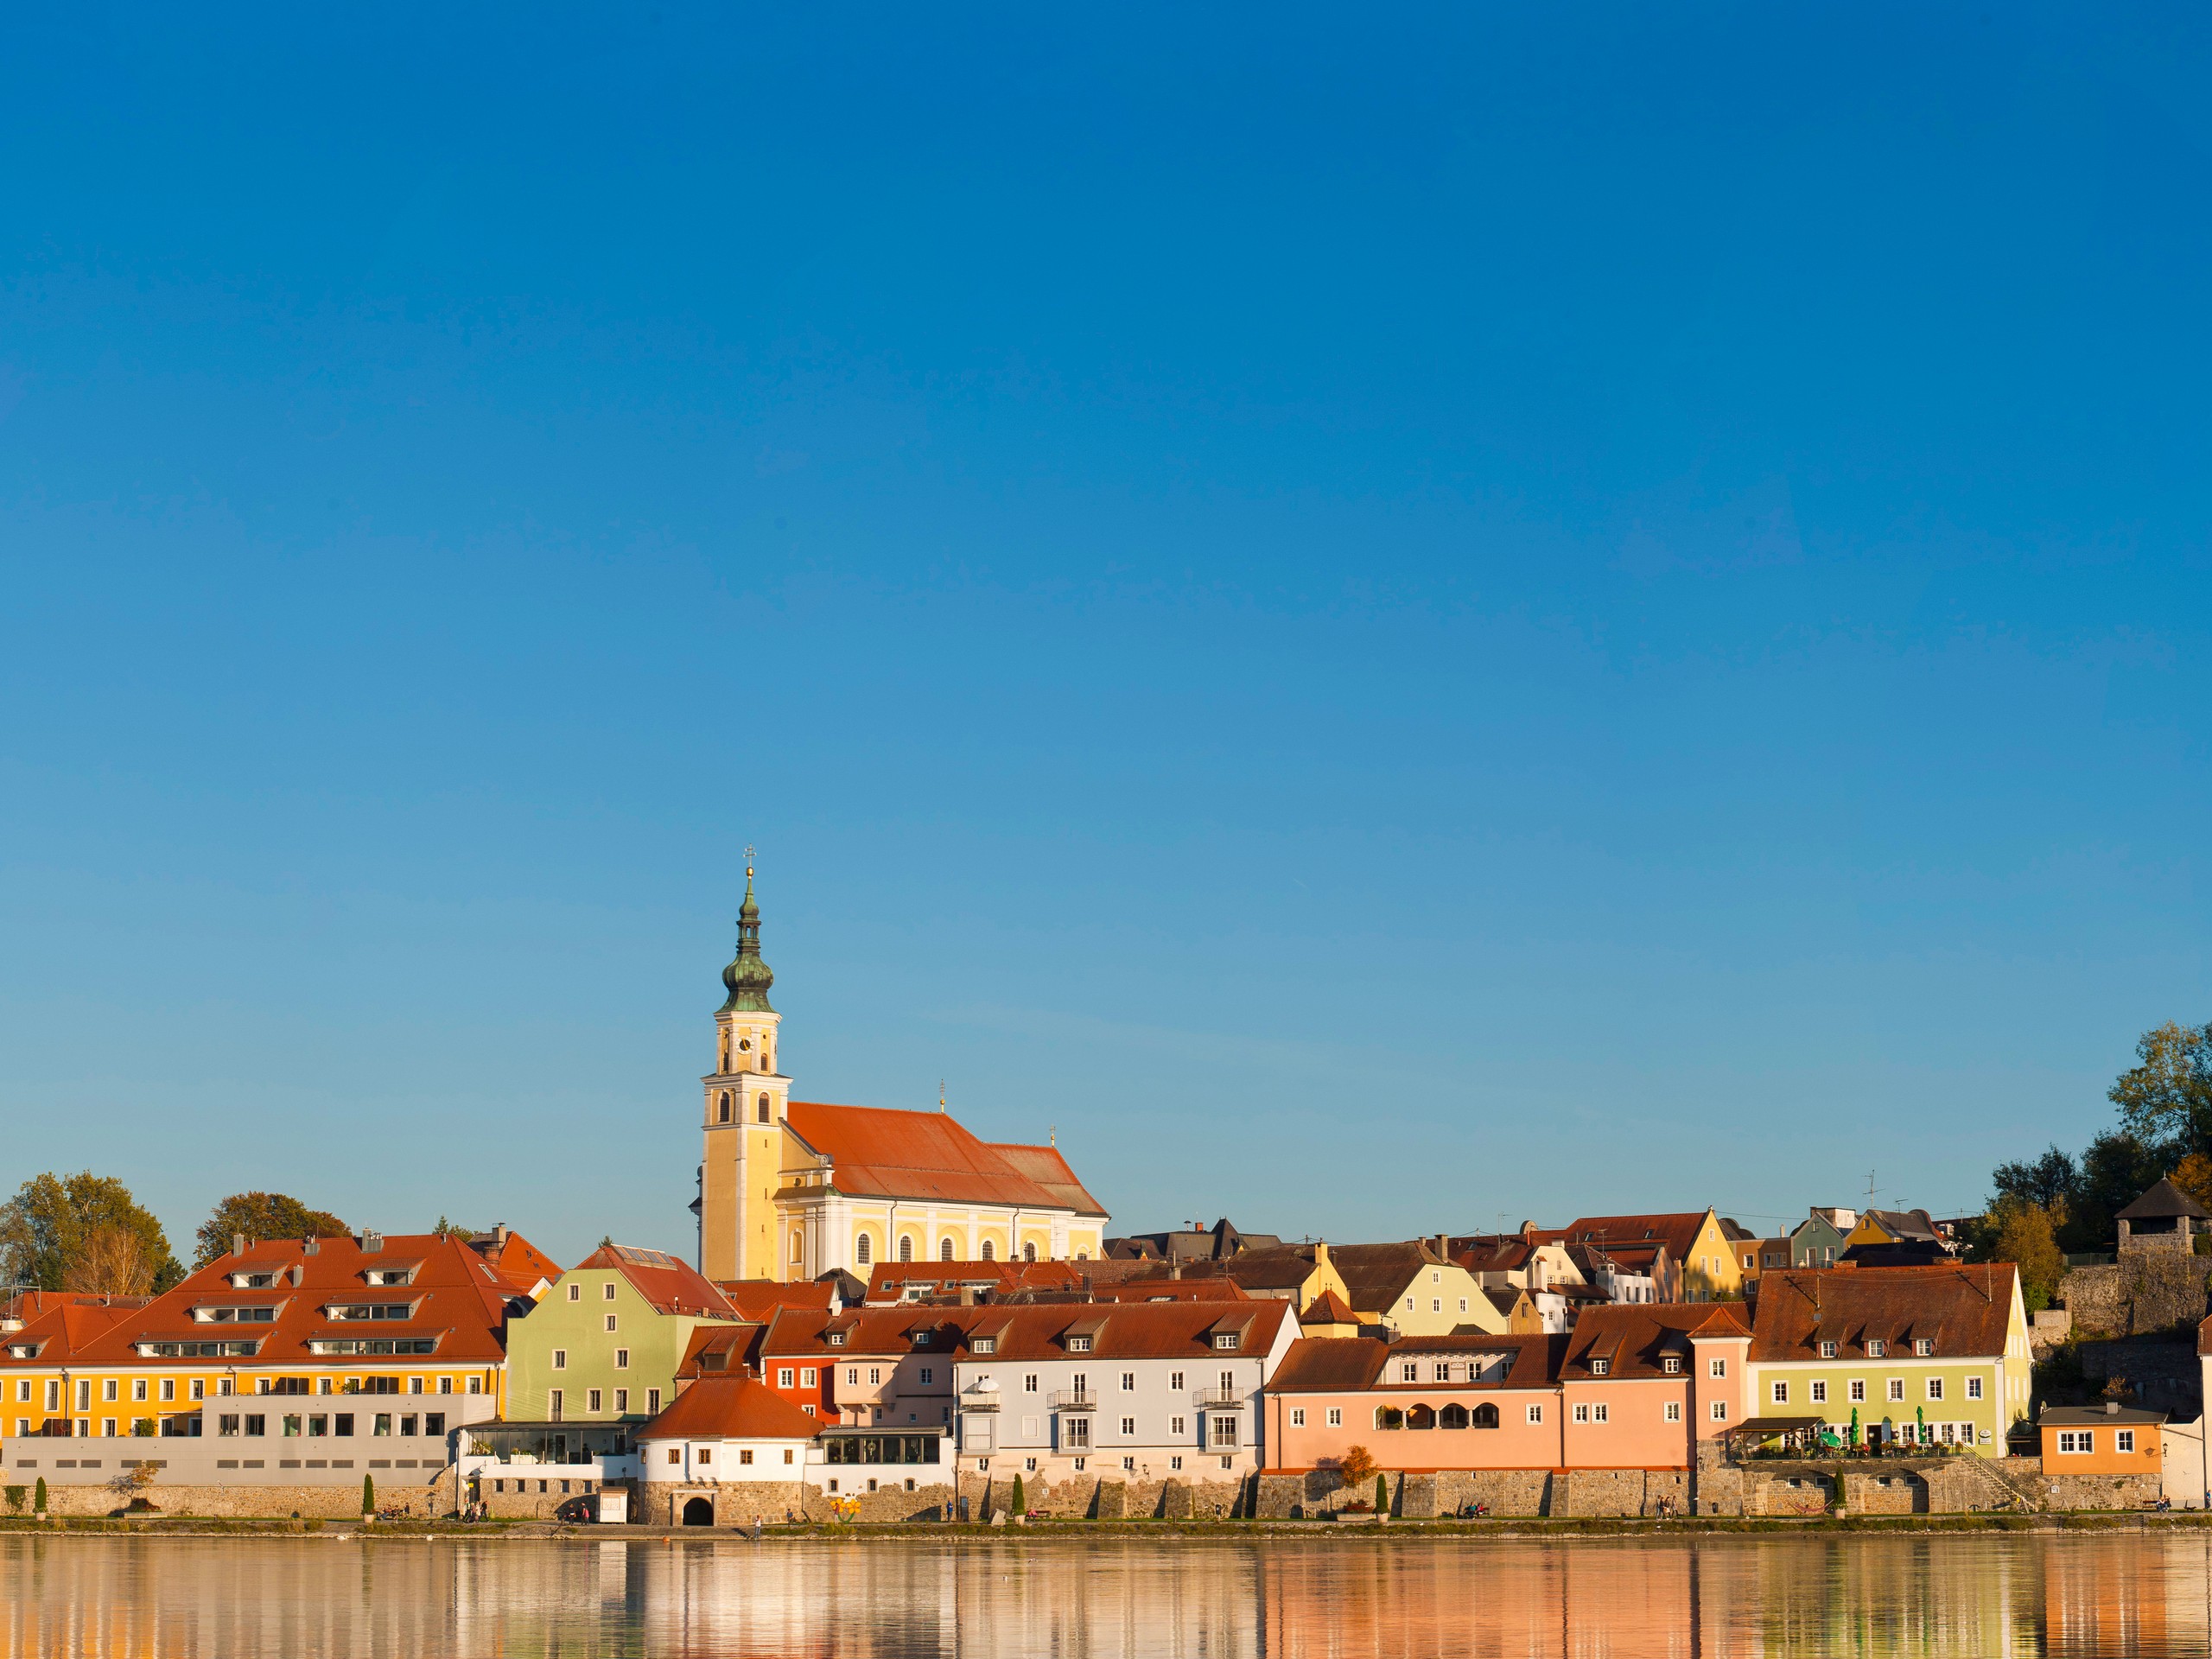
(1393, 621)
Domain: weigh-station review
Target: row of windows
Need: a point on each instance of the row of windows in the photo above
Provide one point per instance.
(621, 1355)
(195, 1388)
(556, 1401)
(2072, 1440)
(1486, 1415)
(864, 1249)
(1817, 1390)
(705, 1454)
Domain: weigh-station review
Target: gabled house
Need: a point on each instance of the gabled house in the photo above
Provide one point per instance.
(1220, 1243)
(1702, 1263)
(1412, 1289)
(1913, 1228)
(603, 1344)
(1927, 1355)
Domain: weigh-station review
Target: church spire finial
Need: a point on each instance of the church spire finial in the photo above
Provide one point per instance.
(748, 977)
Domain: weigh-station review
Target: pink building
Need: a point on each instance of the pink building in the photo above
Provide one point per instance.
(1634, 1387)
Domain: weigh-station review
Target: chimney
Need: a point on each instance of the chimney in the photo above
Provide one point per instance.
(1444, 1245)
(967, 1295)
(311, 1247)
(1175, 1269)
(1086, 1288)
(499, 1235)
(2112, 1407)
(238, 1243)
(372, 1242)
(299, 1274)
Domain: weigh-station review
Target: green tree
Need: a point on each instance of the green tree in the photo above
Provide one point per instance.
(368, 1496)
(46, 1229)
(2165, 1098)
(447, 1230)
(38, 1497)
(1382, 1493)
(260, 1215)
(1019, 1504)
(2026, 1238)
(2049, 1181)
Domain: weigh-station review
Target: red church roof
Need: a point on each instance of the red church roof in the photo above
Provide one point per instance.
(878, 1152)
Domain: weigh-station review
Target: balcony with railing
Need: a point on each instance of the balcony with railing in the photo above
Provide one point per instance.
(1074, 1400)
(1207, 1399)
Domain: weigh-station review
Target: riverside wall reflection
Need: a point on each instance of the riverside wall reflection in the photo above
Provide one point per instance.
(1108, 1598)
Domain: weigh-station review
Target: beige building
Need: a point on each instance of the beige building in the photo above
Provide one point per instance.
(795, 1189)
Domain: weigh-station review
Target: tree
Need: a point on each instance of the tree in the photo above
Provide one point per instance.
(447, 1230)
(1355, 1466)
(2050, 1180)
(43, 1229)
(2165, 1098)
(2026, 1237)
(1382, 1493)
(2193, 1175)
(38, 1497)
(368, 1496)
(1019, 1504)
(260, 1215)
(111, 1260)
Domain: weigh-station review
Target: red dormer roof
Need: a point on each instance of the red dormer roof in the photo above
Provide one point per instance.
(455, 1298)
(761, 1299)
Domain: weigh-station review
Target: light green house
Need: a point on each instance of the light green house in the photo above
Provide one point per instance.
(603, 1344)
(1937, 1356)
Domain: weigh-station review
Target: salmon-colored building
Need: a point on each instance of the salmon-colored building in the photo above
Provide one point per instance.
(2108, 1439)
(1635, 1386)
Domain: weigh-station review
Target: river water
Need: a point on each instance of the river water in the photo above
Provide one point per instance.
(290, 1598)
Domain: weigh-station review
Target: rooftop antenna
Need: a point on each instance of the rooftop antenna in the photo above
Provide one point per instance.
(1869, 1189)
(940, 1094)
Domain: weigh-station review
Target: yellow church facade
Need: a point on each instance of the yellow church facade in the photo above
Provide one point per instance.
(791, 1190)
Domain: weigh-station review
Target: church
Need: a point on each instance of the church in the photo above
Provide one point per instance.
(792, 1189)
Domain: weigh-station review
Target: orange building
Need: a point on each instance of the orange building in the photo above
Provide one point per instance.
(2109, 1439)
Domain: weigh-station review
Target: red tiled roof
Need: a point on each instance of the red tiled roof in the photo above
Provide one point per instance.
(669, 1284)
(515, 1259)
(1965, 1309)
(878, 1152)
(1045, 1165)
(1324, 1364)
(1329, 1308)
(1209, 1289)
(1633, 1338)
(1025, 1330)
(730, 1408)
(61, 1324)
(456, 1296)
(889, 1280)
(1678, 1232)
(721, 1349)
(760, 1298)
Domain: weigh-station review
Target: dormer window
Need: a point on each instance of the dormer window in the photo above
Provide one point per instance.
(263, 1315)
(1672, 1365)
(1078, 1344)
(1601, 1367)
(836, 1338)
(253, 1281)
(984, 1346)
(23, 1350)
(922, 1339)
(1923, 1346)
(1828, 1350)
(1227, 1341)
(1877, 1348)
(370, 1310)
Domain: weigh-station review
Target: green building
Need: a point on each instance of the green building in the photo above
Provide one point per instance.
(603, 1344)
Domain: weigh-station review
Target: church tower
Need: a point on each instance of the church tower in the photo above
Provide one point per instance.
(746, 1101)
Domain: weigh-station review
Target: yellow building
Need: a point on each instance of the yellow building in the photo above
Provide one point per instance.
(795, 1189)
(292, 1330)
(1700, 1262)
(1415, 1291)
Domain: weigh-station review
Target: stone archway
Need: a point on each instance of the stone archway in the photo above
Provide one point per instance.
(698, 1511)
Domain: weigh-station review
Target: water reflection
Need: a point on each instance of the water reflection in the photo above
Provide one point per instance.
(881, 1598)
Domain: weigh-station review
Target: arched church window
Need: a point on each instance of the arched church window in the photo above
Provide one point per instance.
(861, 1249)
(944, 1249)
(763, 1109)
(1029, 1252)
(906, 1247)
(723, 1116)
(988, 1247)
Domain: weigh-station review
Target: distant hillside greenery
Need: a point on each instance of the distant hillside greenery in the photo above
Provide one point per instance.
(2045, 1208)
